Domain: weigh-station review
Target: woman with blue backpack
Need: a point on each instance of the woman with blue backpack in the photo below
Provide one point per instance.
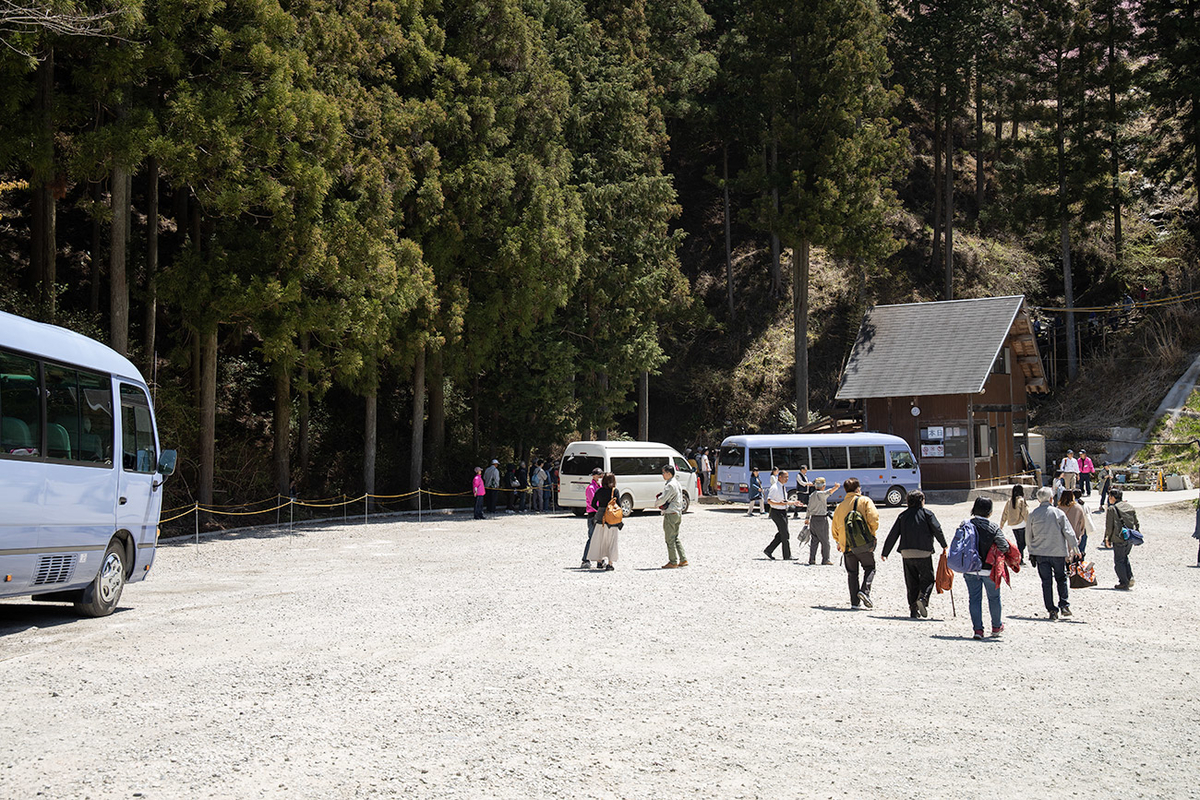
(971, 559)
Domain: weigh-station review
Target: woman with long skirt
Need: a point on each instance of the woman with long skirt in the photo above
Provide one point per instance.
(603, 547)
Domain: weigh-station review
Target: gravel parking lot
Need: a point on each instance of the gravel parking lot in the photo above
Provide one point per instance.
(453, 658)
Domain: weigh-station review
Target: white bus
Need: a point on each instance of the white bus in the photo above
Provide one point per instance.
(80, 468)
(637, 465)
(884, 464)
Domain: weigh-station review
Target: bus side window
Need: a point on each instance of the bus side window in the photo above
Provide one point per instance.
(20, 406)
(62, 409)
(137, 432)
(96, 415)
(760, 459)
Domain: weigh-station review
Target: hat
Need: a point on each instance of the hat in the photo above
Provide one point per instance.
(494, 461)
(1070, 450)
(597, 471)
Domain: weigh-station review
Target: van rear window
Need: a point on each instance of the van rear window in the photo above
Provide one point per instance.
(733, 456)
(581, 465)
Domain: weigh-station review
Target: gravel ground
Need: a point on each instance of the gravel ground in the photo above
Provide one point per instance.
(453, 658)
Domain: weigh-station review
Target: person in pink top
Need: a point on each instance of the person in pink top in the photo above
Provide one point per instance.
(589, 494)
(478, 488)
(1086, 471)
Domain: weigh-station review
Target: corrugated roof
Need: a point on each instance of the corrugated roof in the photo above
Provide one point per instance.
(947, 347)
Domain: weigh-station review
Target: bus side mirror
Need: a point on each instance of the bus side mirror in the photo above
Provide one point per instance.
(166, 462)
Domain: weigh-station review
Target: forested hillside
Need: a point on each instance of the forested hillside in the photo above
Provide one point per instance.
(363, 245)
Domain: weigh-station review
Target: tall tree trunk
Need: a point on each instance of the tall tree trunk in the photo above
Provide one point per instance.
(475, 439)
(151, 318)
(208, 413)
(644, 406)
(370, 439)
(936, 250)
(282, 445)
(95, 260)
(1114, 136)
(437, 409)
(728, 236)
(949, 204)
(302, 446)
(416, 463)
(1064, 217)
(800, 264)
(776, 268)
(118, 288)
(979, 180)
(45, 203)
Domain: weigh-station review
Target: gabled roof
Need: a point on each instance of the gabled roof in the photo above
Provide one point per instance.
(948, 347)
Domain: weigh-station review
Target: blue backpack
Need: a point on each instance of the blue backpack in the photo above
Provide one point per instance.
(964, 549)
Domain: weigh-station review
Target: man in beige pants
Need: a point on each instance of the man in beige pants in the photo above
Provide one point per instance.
(670, 502)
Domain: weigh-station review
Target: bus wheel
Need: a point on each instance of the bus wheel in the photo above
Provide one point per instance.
(895, 496)
(687, 503)
(101, 596)
(578, 512)
(627, 504)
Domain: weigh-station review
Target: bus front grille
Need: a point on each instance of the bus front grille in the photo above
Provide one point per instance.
(54, 569)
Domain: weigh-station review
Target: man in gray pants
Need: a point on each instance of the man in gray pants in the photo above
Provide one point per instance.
(670, 502)
(1120, 515)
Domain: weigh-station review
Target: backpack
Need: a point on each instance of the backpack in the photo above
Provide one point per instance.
(613, 513)
(964, 549)
(858, 533)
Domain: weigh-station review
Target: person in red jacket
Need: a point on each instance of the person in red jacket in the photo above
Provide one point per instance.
(1087, 471)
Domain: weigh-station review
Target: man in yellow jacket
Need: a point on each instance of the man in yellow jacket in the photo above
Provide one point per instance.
(856, 540)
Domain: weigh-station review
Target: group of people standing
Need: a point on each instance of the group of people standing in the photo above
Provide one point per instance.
(603, 525)
(811, 497)
(525, 488)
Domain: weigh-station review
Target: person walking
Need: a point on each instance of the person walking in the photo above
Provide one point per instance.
(1015, 512)
(777, 500)
(1087, 471)
(1086, 518)
(756, 493)
(1120, 515)
(1051, 542)
(857, 541)
(1069, 467)
(1075, 516)
(670, 502)
(915, 530)
(1106, 482)
(537, 479)
(491, 481)
(804, 488)
(479, 490)
(705, 472)
(817, 518)
(987, 535)
(589, 494)
(602, 548)
(1196, 533)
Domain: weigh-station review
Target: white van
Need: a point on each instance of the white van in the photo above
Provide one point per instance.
(637, 465)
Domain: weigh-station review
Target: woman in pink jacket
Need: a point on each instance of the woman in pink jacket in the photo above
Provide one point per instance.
(479, 490)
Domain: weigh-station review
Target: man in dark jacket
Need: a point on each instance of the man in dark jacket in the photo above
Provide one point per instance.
(916, 529)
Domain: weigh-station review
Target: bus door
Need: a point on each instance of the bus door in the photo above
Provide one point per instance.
(138, 483)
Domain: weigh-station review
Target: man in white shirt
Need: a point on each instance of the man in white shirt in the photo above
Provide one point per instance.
(778, 501)
(1070, 471)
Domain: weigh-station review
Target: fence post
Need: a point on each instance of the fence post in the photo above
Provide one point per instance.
(196, 509)
(345, 502)
(291, 513)
(418, 504)
(278, 497)
(366, 504)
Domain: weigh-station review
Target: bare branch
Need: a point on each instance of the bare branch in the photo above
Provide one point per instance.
(30, 17)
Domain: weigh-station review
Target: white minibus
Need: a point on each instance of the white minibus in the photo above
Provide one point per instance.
(80, 468)
(883, 464)
(637, 465)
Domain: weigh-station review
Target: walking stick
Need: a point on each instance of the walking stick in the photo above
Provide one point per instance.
(953, 612)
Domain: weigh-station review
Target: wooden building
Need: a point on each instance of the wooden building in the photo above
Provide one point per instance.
(951, 378)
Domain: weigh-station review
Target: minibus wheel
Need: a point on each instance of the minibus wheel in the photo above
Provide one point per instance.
(895, 496)
(627, 504)
(101, 596)
(578, 512)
